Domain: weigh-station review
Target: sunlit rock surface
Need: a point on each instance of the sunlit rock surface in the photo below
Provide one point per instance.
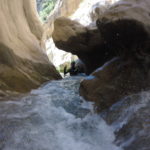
(23, 62)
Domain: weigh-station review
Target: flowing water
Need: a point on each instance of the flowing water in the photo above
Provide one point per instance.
(130, 119)
(53, 117)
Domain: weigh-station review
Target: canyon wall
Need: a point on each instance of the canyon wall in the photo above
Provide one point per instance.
(23, 62)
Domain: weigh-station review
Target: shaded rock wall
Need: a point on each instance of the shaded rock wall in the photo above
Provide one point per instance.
(23, 62)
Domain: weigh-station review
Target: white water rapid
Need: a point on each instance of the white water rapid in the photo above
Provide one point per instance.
(53, 117)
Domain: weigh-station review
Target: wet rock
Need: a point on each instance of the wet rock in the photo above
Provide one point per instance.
(113, 81)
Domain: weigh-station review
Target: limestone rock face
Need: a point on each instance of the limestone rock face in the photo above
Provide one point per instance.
(114, 81)
(124, 31)
(23, 62)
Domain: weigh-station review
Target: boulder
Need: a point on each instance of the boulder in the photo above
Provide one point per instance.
(84, 42)
(122, 29)
(23, 63)
(113, 81)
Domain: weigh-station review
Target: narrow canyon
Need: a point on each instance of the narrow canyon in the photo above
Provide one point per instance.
(104, 105)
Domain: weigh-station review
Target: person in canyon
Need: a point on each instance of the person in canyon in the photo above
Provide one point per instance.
(76, 68)
(72, 70)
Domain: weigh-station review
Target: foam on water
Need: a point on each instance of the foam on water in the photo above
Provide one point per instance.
(53, 117)
(130, 119)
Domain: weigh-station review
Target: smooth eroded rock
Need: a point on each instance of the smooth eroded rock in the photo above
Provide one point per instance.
(21, 75)
(23, 62)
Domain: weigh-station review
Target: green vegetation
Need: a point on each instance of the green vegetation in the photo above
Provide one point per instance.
(47, 7)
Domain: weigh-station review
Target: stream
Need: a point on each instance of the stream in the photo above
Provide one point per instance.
(55, 117)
